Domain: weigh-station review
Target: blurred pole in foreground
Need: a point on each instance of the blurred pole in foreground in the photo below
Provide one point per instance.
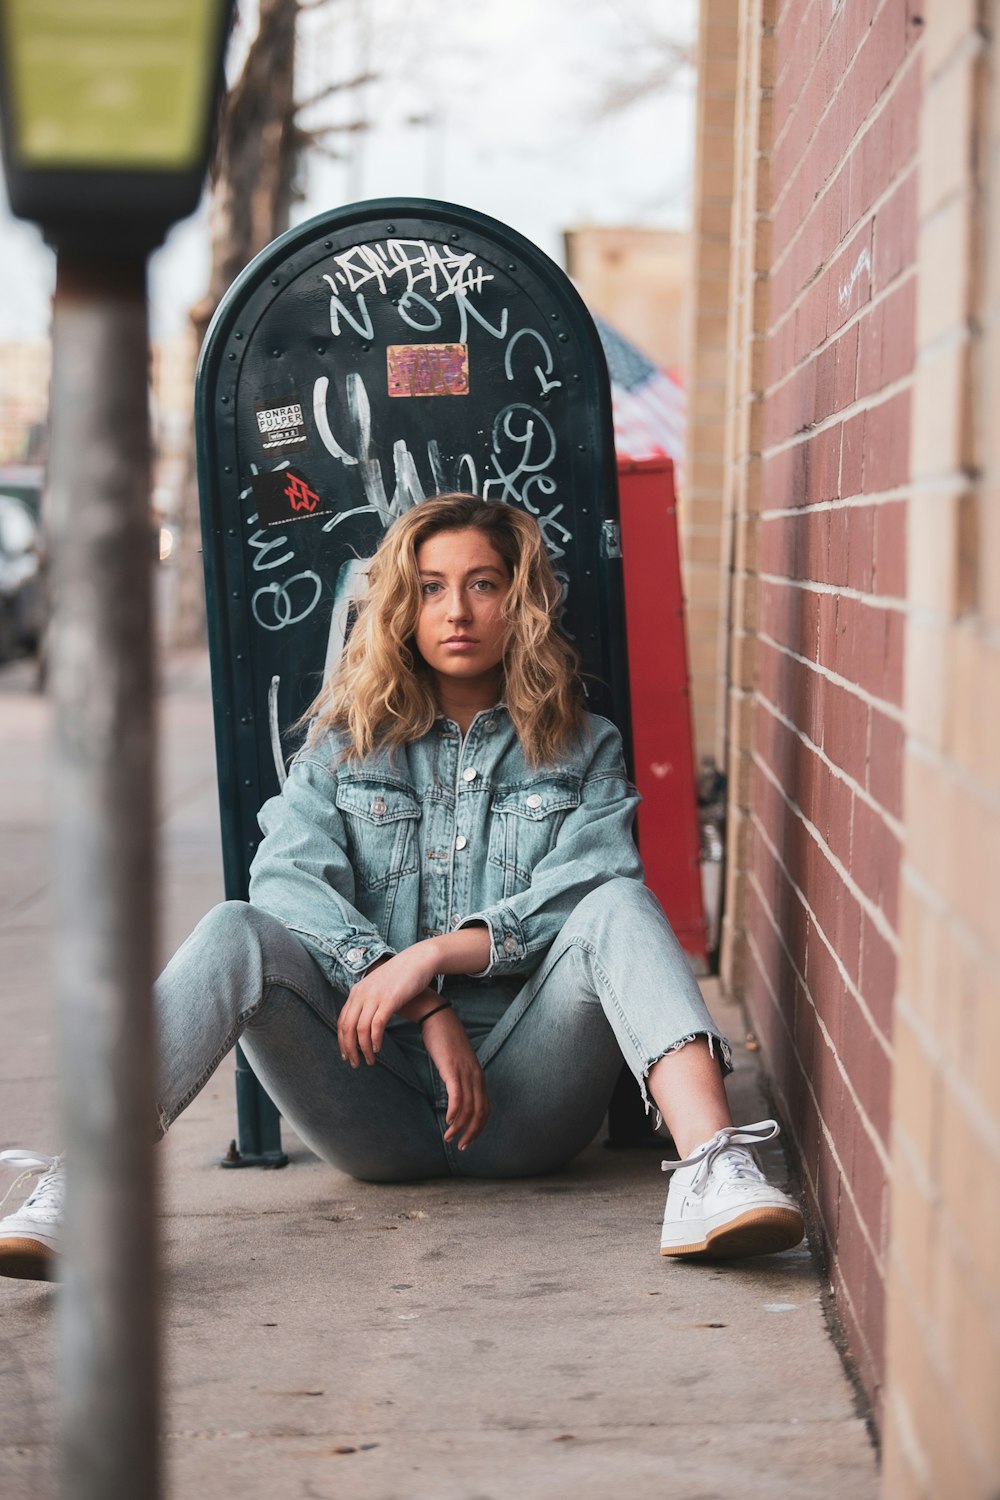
(107, 116)
(103, 857)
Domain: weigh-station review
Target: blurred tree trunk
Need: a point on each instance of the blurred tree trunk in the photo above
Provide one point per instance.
(253, 181)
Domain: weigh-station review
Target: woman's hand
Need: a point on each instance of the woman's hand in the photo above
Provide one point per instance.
(384, 991)
(452, 1053)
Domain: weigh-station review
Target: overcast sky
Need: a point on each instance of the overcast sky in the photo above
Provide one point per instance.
(510, 97)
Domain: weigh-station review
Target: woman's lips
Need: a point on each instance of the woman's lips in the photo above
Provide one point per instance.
(460, 643)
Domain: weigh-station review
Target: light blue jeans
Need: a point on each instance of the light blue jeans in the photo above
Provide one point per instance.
(614, 984)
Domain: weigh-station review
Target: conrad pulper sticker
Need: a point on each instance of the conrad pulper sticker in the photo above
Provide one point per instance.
(280, 425)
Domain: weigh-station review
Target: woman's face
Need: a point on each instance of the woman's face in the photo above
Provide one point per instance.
(460, 630)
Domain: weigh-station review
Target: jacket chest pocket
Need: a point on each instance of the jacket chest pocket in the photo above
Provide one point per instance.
(523, 827)
(381, 823)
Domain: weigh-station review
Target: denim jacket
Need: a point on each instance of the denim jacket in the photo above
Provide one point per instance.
(365, 858)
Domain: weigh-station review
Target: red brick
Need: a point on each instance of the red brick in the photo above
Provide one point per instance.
(845, 731)
(850, 279)
(890, 549)
(861, 547)
(846, 369)
(826, 988)
(828, 1084)
(878, 975)
(899, 338)
(892, 665)
(871, 330)
(894, 242)
(838, 526)
(906, 109)
(868, 1179)
(887, 444)
(852, 456)
(829, 1188)
(839, 825)
(885, 762)
(876, 861)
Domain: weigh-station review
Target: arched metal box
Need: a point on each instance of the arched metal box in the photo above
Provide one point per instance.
(378, 354)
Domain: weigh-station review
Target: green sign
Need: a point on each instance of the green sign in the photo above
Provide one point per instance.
(115, 85)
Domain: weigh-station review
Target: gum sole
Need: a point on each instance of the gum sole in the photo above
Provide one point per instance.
(27, 1260)
(760, 1231)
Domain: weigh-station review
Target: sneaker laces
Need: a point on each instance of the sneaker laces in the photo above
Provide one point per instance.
(725, 1154)
(46, 1200)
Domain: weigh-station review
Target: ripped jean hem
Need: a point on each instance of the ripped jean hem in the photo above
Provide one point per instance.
(726, 1063)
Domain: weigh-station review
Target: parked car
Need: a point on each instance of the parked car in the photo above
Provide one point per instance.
(22, 592)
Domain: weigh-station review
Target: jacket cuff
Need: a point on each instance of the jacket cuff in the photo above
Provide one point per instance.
(508, 946)
(349, 958)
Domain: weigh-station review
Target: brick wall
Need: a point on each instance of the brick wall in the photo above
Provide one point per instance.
(823, 592)
(942, 1435)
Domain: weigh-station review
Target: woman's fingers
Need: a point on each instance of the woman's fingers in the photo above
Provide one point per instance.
(468, 1107)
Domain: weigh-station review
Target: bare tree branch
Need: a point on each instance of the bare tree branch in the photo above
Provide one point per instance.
(335, 88)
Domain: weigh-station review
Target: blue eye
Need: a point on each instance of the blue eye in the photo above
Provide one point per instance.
(484, 585)
(429, 588)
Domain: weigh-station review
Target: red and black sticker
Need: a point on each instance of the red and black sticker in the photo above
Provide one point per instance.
(281, 425)
(286, 495)
(427, 369)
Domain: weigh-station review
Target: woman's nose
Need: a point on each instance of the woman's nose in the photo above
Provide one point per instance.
(458, 608)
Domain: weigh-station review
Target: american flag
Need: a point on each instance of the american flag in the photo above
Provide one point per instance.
(648, 403)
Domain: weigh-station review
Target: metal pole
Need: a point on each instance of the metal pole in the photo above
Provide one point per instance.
(103, 857)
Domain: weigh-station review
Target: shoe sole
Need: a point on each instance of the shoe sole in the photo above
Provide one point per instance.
(28, 1260)
(759, 1231)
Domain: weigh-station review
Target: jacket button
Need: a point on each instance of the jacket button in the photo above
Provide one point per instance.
(378, 806)
(470, 773)
(354, 955)
(534, 800)
(490, 725)
(461, 841)
(510, 943)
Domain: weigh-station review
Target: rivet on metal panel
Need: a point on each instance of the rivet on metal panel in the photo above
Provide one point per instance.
(564, 338)
(231, 531)
(328, 244)
(227, 469)
(232, 356)
(247, 781)
(236, 593)
(390, 229)
(511, 266)
(237, 335)
(554, 317)
(582, 447)
(453, 236)
(274, 281)
(577, 377)
(224, 400)
(244, 718)
(366, 348)
(276, 353)
(320, 348)
(240, 656)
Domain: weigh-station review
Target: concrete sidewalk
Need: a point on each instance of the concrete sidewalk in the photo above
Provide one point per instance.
(325, 1338)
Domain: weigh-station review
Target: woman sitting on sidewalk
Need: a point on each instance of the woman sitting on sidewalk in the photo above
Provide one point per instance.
(449, 947)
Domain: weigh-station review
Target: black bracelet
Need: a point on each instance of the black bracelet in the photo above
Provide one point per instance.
(445, 1005)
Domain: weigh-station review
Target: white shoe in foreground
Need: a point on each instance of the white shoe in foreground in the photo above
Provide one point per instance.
(31, 1238)
(720, 1204)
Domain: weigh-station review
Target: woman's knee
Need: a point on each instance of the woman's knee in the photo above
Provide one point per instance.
(618, 900)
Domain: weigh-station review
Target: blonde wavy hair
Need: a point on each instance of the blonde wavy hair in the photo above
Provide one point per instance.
(381, 692)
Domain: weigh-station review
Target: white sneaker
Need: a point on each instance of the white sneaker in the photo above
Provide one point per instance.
(720, 1204)
(30, 1240)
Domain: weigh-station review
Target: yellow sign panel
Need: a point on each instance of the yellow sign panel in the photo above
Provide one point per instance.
(117, 85)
